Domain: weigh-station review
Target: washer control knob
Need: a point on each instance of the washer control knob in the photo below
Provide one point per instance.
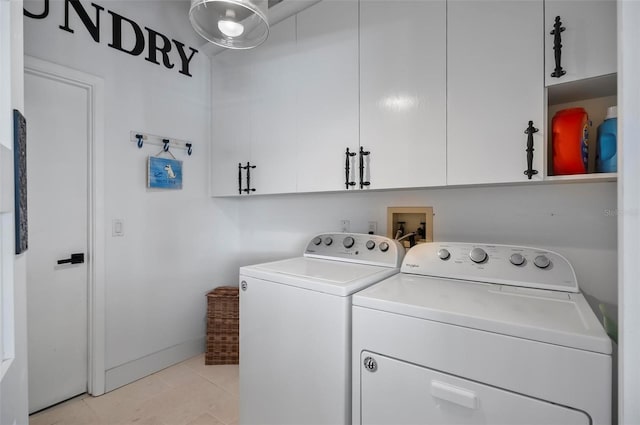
(516, 259)
(328, 241)
(542, 261)
(444, 254)
(478, 255)
(384, 246)
(371, 244)
(348, 242)
(317, 240)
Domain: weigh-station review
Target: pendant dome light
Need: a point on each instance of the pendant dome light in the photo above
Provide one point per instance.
(235, 24)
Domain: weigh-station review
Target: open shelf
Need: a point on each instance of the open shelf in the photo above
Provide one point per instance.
(592, 177)
(595, 95)
(589, 88)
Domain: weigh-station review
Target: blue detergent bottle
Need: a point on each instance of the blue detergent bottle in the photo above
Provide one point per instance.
(606, 151)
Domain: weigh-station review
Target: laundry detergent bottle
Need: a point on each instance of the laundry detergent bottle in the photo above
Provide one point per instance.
(570, 134)
(606, 145)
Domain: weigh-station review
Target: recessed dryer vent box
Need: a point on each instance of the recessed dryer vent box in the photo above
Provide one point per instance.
(404, 220)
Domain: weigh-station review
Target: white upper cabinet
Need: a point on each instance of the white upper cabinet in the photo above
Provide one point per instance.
(253, 105)
(273, 131)
(231, 120)
(326, 67)
(588, 39)
(403, 92)
(495, 87)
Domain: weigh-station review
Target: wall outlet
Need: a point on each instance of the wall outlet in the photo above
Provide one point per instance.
(345, 226)
(117, 227)
(373, 227)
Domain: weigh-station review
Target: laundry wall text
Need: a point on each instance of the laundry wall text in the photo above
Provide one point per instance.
(156, 47)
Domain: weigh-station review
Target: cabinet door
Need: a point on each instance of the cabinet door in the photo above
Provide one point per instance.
(588, 41)
(495, 87)
(231, 129)
(327, 88)
(253, 105)
(273, 140)
(403, 91)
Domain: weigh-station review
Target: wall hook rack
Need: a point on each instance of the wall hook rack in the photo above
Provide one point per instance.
(141, 138)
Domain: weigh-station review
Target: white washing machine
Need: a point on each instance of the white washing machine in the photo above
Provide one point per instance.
(295, 328)
(479, 334)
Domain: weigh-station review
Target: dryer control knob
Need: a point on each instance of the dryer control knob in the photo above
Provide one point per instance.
(478, 255)
(328, 241)
(371, 244)
(516, 259)
(348, 242)
(542, 261)
(384, 246)
(444, 254)
(317, 240)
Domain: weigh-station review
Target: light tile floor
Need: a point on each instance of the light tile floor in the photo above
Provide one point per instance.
(188, 393)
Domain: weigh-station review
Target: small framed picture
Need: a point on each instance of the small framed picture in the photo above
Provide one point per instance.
(164, 173)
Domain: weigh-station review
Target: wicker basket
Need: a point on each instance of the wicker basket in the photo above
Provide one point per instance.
(222, 326)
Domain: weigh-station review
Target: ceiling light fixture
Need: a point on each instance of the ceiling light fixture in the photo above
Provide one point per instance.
(235, 24)
(230, 27)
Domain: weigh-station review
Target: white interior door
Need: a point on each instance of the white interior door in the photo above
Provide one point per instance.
(57, 161)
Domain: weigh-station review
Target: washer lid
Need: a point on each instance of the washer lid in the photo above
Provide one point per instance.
(554, 317)
(328, 276)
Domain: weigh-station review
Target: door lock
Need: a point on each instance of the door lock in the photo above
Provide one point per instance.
(75, 259)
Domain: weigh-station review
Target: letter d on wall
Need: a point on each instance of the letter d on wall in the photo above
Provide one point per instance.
(116, 42)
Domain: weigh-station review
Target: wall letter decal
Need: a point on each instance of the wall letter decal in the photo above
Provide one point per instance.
(43, 15)
(160, 46)
(183, 57)
(153, 48)
(116, 41)
(94, 29)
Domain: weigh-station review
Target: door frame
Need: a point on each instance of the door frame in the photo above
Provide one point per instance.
(628, 213)
(94, 87)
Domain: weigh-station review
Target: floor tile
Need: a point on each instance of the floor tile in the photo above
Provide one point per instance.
(188, 393)
(180, 375)
(73, 412)
(225, 376)
(206, 419)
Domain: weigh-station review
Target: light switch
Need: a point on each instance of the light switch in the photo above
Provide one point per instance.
(117, 227)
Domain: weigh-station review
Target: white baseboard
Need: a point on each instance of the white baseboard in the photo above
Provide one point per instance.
(132, 371)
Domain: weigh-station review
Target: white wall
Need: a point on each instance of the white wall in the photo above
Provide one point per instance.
(173, 249)
(577, 220)
(13, 389)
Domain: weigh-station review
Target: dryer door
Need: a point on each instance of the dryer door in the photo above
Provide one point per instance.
(396, 392)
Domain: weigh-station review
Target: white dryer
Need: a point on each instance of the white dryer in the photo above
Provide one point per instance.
(295, 328)
(479, 334)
